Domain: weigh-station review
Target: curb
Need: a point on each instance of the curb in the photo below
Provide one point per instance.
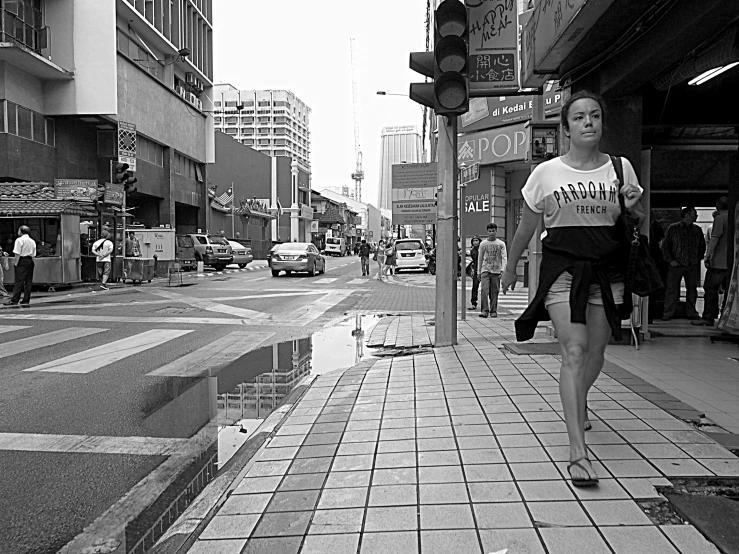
(179, 538)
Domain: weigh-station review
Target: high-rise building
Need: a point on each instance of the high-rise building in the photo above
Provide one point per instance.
(399, 145)
(275, 122)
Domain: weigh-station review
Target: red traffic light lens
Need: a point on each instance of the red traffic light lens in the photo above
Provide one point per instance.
(451, 91)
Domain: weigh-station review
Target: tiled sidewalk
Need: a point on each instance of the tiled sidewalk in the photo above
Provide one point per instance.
(462, 450)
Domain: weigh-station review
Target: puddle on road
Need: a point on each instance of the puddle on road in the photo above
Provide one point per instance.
(239, 396)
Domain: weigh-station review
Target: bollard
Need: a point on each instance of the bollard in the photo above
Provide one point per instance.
(201, 267)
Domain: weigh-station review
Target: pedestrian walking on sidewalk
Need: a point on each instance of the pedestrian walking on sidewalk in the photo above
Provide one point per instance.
(683, 248)
(581, 284)
(380, 259)
(491, 262)
(24, 250)
(364, 255)
(717, 273)
(475, 242)
(102, 249)
(389, 257)
(4, 266)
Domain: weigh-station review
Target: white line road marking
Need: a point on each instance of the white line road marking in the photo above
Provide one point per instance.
(145, 446)
(209, 305)
(47, 339)
(10, 328)
(319, 307)
(87, 318)
(215, 355)
(358, 281)
(106, 354)
(325, 281)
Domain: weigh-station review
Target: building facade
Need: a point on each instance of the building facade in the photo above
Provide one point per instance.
(370, 226)
(399, 145)
(334, 218)
(73, 69)
(275, 122)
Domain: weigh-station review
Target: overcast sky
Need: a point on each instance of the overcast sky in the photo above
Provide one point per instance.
(303, 46)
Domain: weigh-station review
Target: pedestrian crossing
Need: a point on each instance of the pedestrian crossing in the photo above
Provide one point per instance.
(514, 301)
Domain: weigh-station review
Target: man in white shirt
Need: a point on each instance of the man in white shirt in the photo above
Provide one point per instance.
(492, 259)
(24, 251)
(102, 249)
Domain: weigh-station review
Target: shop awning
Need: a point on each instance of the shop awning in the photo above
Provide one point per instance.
(26, 208)
(331, 216)
(25, 191)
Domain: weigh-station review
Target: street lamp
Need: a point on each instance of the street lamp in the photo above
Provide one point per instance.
(383, 93)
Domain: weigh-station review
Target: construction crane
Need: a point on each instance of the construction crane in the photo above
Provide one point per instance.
(358, 175)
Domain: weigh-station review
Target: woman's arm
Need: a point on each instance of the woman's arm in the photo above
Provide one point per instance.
(526, 228)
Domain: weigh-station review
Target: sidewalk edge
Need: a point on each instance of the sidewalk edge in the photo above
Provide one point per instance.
(180, 537)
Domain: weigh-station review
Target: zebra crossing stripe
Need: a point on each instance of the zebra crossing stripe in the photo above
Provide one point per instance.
(106, 354)
(213, 356)
(47, 339)
(9, 328)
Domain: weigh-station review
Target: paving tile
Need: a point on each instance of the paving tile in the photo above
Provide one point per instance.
(681, 468)
(439, 458)
(365, 425)
(230, 527)
(313, 439)
(360, 436)
(283, 545)
(343, 520)
(393, 495)
(282, 524)
(574, 540)
(635, 437)
(294, 430)
(394, 476)
(397, 459)
(660, 450)
(482, 456)
(442, 443)
(554, 439)
(384, 543)
(631, 468)
(722, 468)
(343, 479)
(472, 430)
(397, 434)
(537, 471)
(503, 491)
(355, 497)
(286, 440)
(310, 465)
(301, 482)
(353, 463)
(390, 446)
(644, 488)
(688, 539)
(444, 542)
(709, 451)
(444, 493)
(246, 504)
(637, 540)
(507, 515)
(356, 448)
(327, 428)
(558, 514)
(615, 512)
(487, 472)
(614, 452)
(607, 489)
(218, 547)
(267, 469)
(514, 541)
(334, 544)
(293, 501)
(400, 518)
(317, 451)
(518, 441)
(545, 490)
(446, 516)
(474, 443)
(440, 474)
(258, 484)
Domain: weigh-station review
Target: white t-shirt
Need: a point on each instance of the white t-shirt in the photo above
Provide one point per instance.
(580, 208)
(25, 246)
(102, 249)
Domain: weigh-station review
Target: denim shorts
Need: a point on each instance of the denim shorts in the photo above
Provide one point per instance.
(560, 292)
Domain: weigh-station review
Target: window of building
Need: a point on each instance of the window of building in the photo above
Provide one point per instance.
(264, 142)
(231, 131)
(149, 151)
(247, 121)
(231, 103)
(263, 120)
(248, 131)
(23, 23)
(232, 120)
(26, 123)
(263, 103)
(218, 120)
(136, 53)
(248, 142)
(217, 103)
(263, 131)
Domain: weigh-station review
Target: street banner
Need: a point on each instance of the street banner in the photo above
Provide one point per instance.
(414, 189)
(477, 205)
(127, 144)
(493, 46)
(81, 190)
(506, 144)
(113, 194)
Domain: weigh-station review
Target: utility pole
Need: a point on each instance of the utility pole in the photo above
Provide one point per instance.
(446, 248)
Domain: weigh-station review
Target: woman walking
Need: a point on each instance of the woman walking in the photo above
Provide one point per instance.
(380, 259)
(577, 193)
(389, 256)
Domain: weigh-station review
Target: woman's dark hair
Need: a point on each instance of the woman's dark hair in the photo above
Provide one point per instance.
(579, 96)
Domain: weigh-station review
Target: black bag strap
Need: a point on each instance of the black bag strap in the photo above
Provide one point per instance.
(619, 167)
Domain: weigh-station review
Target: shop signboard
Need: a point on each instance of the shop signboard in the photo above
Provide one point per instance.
(469, 173)
(113, 194)
(414, 193)
(314, 226)
(552, 98)
(493, 146)
(306, 212)
(127, 144)
(81, 190)
(499, 110)
(493, 45)
(477, 205)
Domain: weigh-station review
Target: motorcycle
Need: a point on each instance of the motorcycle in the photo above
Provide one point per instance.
(468, 262)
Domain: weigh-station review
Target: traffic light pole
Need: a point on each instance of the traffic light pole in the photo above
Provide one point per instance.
(446, 248)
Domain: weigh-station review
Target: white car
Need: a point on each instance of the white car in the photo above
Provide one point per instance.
(411, 254)
(242, 254)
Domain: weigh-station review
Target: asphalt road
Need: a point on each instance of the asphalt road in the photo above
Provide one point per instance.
(110, 394)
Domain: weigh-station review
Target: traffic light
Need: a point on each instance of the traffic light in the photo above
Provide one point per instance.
(123, 176)
(448, 94)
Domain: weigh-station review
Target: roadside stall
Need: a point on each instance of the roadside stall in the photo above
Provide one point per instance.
(55, 227)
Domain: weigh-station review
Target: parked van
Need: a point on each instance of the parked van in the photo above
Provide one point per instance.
(335, 246)
(185, 252)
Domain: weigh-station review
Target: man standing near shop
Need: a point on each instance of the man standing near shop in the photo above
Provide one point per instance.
(716, 263)
(683, 248)
(25, 251)
(364, 255)
(491, 262)
(474, 254)
(102, 249)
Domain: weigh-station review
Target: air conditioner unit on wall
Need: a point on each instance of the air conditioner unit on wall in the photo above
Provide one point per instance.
(190, 78)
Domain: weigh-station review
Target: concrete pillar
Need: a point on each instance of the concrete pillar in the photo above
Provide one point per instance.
(294, 204)
(166, 206)
(497, 201)
(446, 243)
(275, 223)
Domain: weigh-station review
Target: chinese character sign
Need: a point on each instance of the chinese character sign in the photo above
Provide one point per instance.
(495, 68)
(493, 47)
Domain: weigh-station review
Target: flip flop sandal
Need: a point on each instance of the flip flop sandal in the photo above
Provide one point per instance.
(589, 482)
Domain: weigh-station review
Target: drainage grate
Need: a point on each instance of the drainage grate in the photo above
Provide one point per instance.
(533, 348)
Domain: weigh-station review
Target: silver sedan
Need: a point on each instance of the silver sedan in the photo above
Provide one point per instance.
(297, 256)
